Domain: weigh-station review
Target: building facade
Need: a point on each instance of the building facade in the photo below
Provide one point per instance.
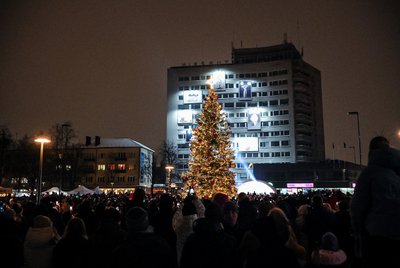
(120, 164)
(272, 100)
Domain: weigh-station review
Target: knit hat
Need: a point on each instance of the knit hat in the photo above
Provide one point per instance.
(329, 242)
(41, 221)
(137, 219)
(220, 199)
(188, 207)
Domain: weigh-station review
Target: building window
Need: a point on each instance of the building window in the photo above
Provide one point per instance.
(229, 105)
(284, 101)
(131, 178)
(121, 167)
(180, 97)
(240, 104)
(274, 143)
(131, 167)
(121, 179)
(101, 167)
(285, 143)
(273, 102)
(111, 167)
(100, 179)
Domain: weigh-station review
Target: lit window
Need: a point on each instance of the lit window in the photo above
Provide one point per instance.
(121, 167)
(101, 167)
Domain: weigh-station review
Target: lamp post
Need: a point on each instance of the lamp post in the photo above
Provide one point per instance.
(42, 141)
(61, 155)
(112, 187)
(359, 135)
(169, 169)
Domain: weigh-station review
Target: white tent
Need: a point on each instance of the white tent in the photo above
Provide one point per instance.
(97, 190)
(54, 190)
(257, 187)
(81, 190)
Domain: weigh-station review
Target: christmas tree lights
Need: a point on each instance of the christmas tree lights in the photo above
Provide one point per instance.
(211, 156)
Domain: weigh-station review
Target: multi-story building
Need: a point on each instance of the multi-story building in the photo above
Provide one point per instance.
(120, 164)
(272, 100)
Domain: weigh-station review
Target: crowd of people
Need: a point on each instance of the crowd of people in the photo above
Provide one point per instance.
(313, 229)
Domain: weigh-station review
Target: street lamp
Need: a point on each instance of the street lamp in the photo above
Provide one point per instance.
(169, 169)
(42, 141)
(61, 155)
(359, 135)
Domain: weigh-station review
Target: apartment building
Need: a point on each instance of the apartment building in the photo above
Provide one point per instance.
(272, 100)
(120, 164)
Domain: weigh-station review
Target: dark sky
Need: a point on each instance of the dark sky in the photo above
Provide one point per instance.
(103, 64)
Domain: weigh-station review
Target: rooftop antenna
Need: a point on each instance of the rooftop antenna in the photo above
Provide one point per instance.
(241, 44)
(298, 33)
(285, 38)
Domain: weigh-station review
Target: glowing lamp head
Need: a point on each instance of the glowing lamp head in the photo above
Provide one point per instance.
(169, 168)
(42, 140)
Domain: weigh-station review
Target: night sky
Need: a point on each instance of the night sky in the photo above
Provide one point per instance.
(103, 64)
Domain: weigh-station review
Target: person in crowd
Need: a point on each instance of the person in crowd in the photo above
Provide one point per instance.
(73, 248)
(375, 206)
(247, 214)
(183, 223)
(318, 221)
(209, 246)
(230, 214)
(39, 243)
(11, 245)
(329, 254)
(271, 242)
(302, 213)
(143, 248)
(85, 212)
(163, 220)
(107, 237)
(344, 231)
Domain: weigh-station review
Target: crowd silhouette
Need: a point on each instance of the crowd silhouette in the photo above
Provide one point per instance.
(312, 229)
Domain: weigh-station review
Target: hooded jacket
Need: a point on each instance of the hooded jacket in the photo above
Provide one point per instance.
(375, 206)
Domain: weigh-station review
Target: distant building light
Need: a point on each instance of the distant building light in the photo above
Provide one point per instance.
(300, 185)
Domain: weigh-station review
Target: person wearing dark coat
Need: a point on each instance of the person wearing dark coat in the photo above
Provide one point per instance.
(209, 246)
(375, 206)
(142, 248)
(73, 248)
(107, 237)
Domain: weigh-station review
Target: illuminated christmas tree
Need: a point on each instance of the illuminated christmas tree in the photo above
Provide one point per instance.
(211, 154)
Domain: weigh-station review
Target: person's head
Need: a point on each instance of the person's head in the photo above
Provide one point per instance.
(188, 207)
(220, 199)
(378, 143)
(137, 219)
(213, 211)
(264, 208)
(111, 215)
(41, 221)
(230, 212)
(329, 242)
(75, 229)
(317, 201)
(344, 204)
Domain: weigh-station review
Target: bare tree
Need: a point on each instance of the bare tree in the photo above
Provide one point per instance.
(5, 144)
(62, 136)
(168, 152)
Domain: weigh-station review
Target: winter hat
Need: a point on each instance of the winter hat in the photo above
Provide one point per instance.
(230, 206)
(41, 221)
(188, 207)
(9, 213)
(137, 219)
(220, 199)
(329, 242)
